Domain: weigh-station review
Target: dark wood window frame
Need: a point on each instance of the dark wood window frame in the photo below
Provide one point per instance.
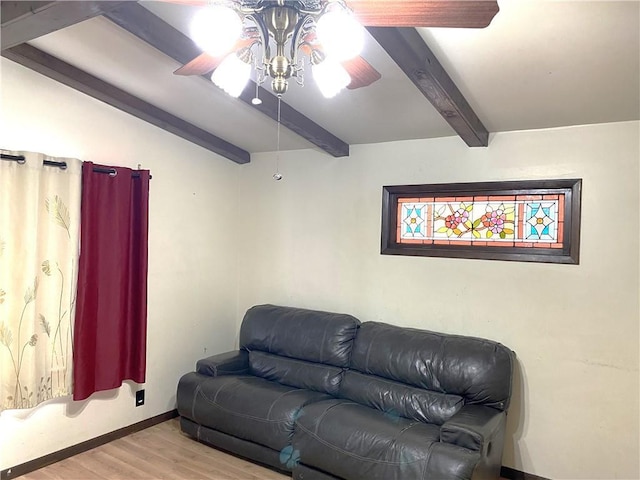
(568, 254)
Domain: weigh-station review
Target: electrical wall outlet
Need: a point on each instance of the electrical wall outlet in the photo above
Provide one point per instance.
(139, 398)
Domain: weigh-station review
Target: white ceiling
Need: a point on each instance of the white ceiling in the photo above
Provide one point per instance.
(541, 63)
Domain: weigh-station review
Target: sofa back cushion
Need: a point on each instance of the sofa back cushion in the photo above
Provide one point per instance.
(400, 399)
(296, 373)
(478, 370)
(310, 335)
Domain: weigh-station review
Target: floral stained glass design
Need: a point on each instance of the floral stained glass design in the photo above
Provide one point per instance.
(531, 221)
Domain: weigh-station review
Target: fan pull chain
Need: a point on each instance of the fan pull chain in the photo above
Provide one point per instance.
(278, 176)
(256, 100)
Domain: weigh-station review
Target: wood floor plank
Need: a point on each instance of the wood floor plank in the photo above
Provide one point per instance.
(233, 465)
(172, 466)
(160, 452)
(69, 469)
(199, 464)
(101, 462)
(143, 465)
(41, 474)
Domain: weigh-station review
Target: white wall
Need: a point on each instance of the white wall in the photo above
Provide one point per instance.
(313, 240)
(192, 252)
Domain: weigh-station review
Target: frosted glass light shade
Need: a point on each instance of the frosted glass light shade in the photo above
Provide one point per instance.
(331, 77)
(215, 29)
(232, 75)
(340, 34)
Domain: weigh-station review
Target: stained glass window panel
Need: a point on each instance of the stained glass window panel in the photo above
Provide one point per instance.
(519, 221)
(534, 220)
(541, 221)
(413, 220)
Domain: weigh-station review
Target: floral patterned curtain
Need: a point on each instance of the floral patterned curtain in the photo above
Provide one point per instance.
(39, 242)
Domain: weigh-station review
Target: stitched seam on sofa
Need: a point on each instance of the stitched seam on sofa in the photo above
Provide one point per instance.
(321, 417)
(214, 401)
(506, 401)
(350, 454)
(193, 402)
(366, 360)
(322, 346)
(215, 397)
(401, 432)
(351, 342)
(236, 414)
(437, 367)
(408, 427)
(428, 459)
(408, 385)
(323, 366)
(476, 436)
(394, 442)
(273, 404)
(274, 329)
(231, 372)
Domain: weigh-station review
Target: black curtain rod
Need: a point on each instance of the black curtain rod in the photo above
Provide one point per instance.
(63, 165)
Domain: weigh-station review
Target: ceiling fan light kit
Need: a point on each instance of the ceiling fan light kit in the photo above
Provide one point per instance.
(331, 77)
(273, 37)
(233, 74)
(340, 34)
(215, 29)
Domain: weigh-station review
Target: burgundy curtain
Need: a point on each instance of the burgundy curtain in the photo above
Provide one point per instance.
(111, 311)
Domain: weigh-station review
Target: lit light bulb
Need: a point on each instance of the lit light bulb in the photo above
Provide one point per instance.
(331, 77)
(340, 34)
(232, 75)
(215, 29)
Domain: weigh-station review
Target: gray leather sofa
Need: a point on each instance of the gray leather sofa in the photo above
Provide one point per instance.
(326, 397)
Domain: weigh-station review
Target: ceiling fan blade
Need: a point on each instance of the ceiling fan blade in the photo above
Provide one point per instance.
(198, 3)
(205, 63)
(361, 72)
(429, 13)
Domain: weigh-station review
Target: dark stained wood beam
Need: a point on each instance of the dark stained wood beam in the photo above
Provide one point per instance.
(143, 24)
(80, 80)
(407, 48)
(24, 20)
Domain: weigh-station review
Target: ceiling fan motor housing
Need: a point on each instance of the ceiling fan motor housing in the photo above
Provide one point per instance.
(280, 22)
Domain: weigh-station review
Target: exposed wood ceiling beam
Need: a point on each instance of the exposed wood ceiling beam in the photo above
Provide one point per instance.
(24, 20)
(143, 24)
(80, 80)
(407, 48)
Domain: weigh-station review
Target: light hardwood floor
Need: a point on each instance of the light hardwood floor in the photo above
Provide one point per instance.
(158, 452)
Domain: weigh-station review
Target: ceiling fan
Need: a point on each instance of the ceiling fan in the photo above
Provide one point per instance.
(274, 37)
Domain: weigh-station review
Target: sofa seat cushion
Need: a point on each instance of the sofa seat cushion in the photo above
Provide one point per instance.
(246, 407)
(352, 441)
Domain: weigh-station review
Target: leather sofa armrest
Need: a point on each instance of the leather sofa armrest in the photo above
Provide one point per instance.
(229, 363)
(474, 427)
